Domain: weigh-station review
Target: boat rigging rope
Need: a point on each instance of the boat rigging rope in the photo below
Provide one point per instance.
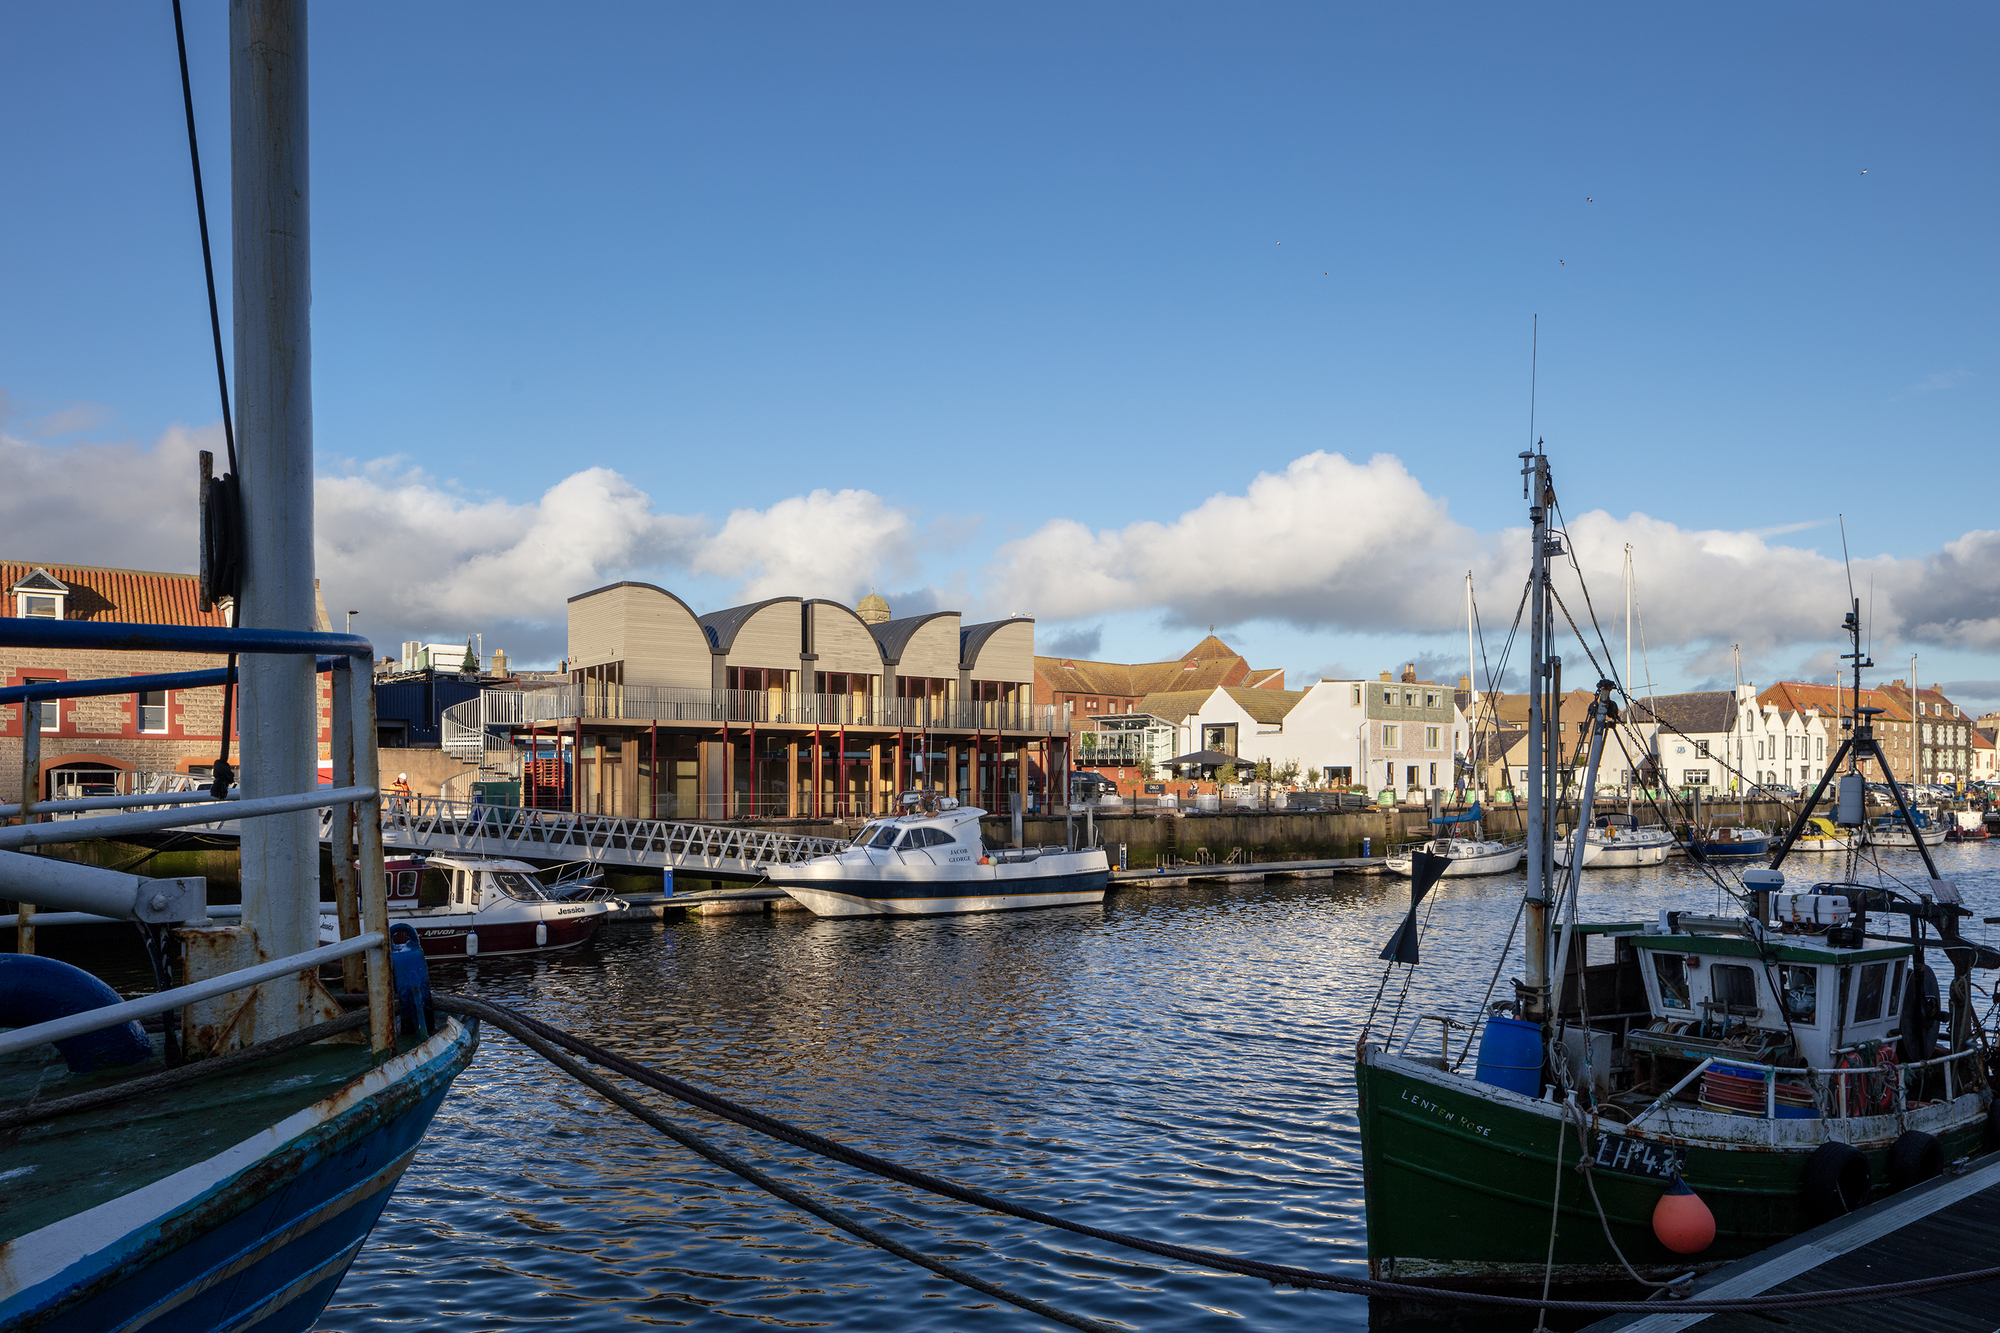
(544, 1038)
(223, 495)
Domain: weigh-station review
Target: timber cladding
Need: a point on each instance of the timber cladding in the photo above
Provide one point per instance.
(769, 638)
(933, 649)
(841, 640)
(650, 630)
(1008, 653)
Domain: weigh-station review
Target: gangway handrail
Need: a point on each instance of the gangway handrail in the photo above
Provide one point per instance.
(116, 826)
(135, 801)
(146, 1006)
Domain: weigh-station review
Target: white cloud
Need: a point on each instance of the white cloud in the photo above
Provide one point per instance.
(1326, 543)
(824, 544)
(1330, 544)
(420, 557)
(103, 504)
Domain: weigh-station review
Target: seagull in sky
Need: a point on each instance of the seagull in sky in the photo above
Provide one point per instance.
(1563, 262)
(1864, 171)
(1588, 200)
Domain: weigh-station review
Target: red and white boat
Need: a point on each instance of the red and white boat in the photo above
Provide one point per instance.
(472, 907)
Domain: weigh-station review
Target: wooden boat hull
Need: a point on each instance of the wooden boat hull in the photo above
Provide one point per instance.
(258, 1235)
(1460, 1176)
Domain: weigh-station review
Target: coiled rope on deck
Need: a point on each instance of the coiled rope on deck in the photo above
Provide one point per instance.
(544, 1038)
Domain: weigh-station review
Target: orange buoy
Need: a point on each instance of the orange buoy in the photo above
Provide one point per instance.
(1682, 1221)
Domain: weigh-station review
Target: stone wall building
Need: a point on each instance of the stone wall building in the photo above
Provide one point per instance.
(121, 742)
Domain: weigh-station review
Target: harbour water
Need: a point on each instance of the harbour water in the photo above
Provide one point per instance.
(1173, 1063)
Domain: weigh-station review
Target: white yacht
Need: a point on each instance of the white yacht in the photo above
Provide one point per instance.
(1468, 856)
(931, 861)
(1618, 841)
(1892, 830)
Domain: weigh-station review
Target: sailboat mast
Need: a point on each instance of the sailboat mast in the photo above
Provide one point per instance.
(271, 241)
(1472, 678)
(1630, 776)
(1535, 469)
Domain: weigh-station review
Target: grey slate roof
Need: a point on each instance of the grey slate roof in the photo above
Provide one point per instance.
(1695, 714)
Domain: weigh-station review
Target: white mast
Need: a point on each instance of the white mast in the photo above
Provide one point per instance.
(272, 252)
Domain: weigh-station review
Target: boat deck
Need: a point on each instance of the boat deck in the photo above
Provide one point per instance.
(58, 1167)
(1947, 1225)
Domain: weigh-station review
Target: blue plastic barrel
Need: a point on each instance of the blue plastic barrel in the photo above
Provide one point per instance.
(1510, 1055)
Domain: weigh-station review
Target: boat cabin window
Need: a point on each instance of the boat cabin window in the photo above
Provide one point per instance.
(1896, 991)
(403, 884)
(517, 885)
(1672, 970)
(1868, 998)
(460, 879)
(433, 888)
(887, 837)
(1733, 988)
(1801, 991)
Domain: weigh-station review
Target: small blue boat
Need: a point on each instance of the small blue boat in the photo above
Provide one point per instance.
(1730, 843)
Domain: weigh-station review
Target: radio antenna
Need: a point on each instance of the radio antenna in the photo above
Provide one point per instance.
(1845, 558)
(1534, 363)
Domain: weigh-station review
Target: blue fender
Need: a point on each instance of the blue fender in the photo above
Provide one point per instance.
(35, 989)
(413, 981)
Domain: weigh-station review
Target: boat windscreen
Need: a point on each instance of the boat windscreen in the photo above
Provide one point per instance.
(887, 837)
(517, 885)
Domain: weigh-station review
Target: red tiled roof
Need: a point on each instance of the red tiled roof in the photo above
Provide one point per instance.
(129, 596)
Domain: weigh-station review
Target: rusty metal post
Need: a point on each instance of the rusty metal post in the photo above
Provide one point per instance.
(346, 902)
(31, 788)
(374, 889)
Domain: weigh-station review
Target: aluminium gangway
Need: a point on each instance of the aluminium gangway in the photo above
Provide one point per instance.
(427, 823)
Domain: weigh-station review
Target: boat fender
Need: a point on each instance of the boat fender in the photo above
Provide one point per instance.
(35, 990)
(541, 934)
(1917, 1039)
(1682, 1221)
(1836, 1180)
(472, 944)
(415, 1015)
(1914, 1158)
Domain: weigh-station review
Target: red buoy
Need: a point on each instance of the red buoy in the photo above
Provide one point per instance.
(1682, 1221)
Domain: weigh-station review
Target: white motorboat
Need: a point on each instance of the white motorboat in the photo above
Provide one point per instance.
(1891, 830)
(1618, 841)
(467, 907)
(931, 861)
(1468, 856)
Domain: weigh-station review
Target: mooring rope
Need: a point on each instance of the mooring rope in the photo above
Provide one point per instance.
(543, 1038)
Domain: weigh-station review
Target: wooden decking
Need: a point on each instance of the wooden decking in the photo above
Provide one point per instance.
(1947, 1225)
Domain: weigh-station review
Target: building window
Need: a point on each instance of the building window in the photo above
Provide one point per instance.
(38, 607)
(153, 710)
(1694, 777)
(1430, 699)
(1701, 749)
(1391, 736)
(1388, 698)
(1433, 738)
(51, 708)
(1357, 696)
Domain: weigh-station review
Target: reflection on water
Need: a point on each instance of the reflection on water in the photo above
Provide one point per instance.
(1173, 1063)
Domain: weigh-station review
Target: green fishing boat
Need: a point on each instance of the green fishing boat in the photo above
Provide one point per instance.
(1660, 1097)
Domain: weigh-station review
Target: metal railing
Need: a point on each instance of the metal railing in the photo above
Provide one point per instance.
(361, 901)
(429, 823)
(480, 725)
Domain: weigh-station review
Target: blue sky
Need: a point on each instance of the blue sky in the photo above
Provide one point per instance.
(985, 271)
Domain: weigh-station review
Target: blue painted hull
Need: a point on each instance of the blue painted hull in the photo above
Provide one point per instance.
(265, 1242)
(1751, 850)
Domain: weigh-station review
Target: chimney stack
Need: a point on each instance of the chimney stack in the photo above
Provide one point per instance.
(1410, 673)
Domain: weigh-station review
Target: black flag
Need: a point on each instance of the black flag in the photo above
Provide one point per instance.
(1426, 869)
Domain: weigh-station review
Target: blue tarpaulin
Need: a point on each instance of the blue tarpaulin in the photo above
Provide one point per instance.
(1468, 817)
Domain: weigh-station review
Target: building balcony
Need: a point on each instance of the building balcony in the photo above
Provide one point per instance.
(485, 722)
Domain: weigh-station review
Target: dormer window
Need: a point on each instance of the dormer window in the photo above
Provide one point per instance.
(41, 596)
